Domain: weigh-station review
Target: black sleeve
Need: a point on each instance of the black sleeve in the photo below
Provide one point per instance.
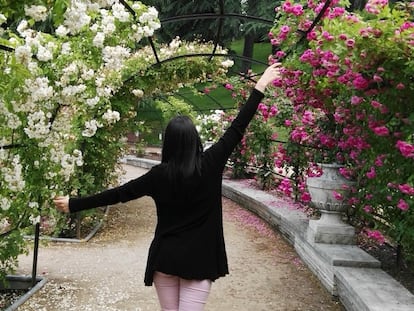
(129, 191)
(220, 152)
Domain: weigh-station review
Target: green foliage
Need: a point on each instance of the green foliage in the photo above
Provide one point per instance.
(171, 107)
(198, 28)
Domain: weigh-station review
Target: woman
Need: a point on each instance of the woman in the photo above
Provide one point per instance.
(188, 250)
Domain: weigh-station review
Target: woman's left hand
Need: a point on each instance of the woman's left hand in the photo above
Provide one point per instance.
(62, 203)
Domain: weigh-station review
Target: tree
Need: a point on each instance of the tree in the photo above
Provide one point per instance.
(254, 31)
(191, 26)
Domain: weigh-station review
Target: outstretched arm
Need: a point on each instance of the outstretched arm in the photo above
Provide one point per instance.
(133, 189)
(220, 151)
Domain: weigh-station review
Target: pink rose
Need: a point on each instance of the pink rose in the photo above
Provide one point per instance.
(371, 174)
(402, 205)
(360, 82)
(381, 131)
(406, 189)
(406, 149)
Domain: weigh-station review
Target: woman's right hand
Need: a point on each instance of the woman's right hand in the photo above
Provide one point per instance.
(62, 203)
(271, 73)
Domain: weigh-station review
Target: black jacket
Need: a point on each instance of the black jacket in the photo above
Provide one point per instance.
(188, 240)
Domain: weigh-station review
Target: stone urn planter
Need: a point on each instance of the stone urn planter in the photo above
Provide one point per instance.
(330, 227)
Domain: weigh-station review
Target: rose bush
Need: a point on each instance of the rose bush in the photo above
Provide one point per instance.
(350, 85)
(69, 96)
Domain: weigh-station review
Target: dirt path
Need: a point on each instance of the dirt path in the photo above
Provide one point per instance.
(106, 273)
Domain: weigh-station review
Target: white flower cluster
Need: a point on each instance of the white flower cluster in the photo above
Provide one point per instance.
(150, 18)
(69, 92)
(10, 119)
(138, 93)
(175, 43)
(37, 12)
(12, 175)
(3, 19)
(68, 163)
(120, 13)
(4, 224)
(91, 127)
(35, 44)
(75, 72)
(98, 40)
(108, 23)
(13, 121)
(34, 219)
(102, 88)
(114, 57)
(38, 91)
(4, 154)
(149, 22)
(45, 53)
(23, 54)
(111, 116)
(171, 49)
(69, 73)
(38, 125)
(76, 17)
(34, 205)
(227, 63)
(5, 204)
(211, 126)
(92, 102)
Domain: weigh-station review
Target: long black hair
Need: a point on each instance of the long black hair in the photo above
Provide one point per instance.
(182, 149)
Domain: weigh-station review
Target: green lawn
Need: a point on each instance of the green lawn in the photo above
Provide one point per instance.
(221, 98)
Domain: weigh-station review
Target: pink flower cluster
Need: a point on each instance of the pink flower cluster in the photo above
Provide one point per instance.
(375, 235)
(375, 6)
(285, 187)
(267, 112)
(406, 149)
(295, 9)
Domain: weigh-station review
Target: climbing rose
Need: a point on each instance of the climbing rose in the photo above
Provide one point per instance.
(376, 235)
(407, 189)
(402, 205)
(406, 149)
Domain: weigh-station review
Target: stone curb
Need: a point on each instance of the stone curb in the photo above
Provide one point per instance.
(346, 271)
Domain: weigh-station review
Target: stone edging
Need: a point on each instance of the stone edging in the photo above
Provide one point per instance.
(23, 282)
(347, 271)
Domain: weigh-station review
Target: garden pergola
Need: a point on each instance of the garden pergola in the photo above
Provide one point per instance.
(220, 17)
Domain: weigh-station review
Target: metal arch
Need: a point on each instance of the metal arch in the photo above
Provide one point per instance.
(6, 48)
(219, 16)
(209, 54)
(214, 16)
(158, 63)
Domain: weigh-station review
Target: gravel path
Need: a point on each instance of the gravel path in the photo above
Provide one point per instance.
(106, 273)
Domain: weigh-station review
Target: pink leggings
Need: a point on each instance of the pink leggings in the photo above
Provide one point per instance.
(177, 294)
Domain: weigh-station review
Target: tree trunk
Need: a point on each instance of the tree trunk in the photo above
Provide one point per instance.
(357, 4)
(247, 52)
